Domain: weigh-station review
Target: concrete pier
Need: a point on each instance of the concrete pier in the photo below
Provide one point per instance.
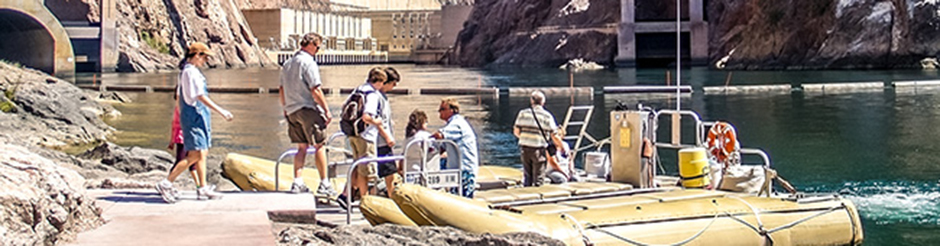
(646, 89)
(550, 91)
(333, 91)
(920, 83)
(822, 87)
(140, 217)
(835, 87)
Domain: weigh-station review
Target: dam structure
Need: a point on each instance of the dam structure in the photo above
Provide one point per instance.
(646, 33)
(44, 36)
(51, 40)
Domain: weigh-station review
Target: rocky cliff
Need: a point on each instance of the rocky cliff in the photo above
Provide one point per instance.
(153, 33)
(748, 34)
(539, 32)
(824, 34)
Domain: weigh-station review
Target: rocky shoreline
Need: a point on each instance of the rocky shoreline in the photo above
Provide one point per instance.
(43, 189)
(306, 234)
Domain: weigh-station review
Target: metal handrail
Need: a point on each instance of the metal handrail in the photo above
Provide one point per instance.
(424, 173)
(758, 152)
(349, 181)
(699, 127)
(333, 138)
(310, 150)
(277, 164)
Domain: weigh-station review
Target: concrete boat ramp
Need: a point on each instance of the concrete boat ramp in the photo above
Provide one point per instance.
(140, 217)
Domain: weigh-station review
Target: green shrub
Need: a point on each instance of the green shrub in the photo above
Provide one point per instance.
(154, 43)
(12, 63)
(7, 107)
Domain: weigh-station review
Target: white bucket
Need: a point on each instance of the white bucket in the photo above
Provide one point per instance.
(596, 164)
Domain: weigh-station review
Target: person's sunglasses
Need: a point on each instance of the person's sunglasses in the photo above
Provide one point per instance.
(441, 109)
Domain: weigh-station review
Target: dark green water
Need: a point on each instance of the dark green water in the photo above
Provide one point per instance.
(879, 148)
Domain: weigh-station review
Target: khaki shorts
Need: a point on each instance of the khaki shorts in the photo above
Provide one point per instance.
(306, 125)
(362, 148)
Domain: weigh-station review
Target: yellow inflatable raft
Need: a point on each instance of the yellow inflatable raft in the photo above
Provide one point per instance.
(256, 174)
(596, 213)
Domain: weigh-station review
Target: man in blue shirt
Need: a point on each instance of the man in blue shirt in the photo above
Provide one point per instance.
(458, 130)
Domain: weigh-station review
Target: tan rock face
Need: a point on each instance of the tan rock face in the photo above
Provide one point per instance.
(823, 34)
(154, 34)
(41, 202)
(539, 32)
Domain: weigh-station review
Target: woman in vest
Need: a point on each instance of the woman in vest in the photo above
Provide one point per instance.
(194, 105)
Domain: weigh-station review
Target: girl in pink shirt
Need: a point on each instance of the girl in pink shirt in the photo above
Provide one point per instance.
(176, 142)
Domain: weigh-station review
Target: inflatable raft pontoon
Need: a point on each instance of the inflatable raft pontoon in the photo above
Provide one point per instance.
(637, 207)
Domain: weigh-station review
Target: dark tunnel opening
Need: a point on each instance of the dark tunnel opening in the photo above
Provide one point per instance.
(26, 41)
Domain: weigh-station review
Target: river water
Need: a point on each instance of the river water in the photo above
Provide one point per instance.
(877, 147)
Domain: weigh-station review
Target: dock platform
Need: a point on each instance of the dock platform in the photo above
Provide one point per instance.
(140, 217)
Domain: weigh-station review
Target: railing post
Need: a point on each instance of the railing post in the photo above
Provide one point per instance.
(277, 165)
(349, 174)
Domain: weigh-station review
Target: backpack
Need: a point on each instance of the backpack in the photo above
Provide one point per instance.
(351, 117)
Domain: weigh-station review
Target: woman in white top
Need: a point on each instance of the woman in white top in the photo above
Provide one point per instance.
(417, 129)
(194, 105)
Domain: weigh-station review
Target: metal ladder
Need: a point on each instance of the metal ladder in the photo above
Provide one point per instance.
(581, 134)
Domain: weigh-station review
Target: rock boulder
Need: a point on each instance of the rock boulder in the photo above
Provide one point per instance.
(386, 234)
(130, 160)
(41, 202)
(50, 112)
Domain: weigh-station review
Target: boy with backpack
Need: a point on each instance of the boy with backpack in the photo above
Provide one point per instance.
(362, 122)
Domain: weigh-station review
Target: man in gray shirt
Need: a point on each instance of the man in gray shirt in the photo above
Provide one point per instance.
(306, 111)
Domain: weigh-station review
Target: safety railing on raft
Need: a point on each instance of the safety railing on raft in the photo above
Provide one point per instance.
(310, 150)
(676, 128)
(700, 132)
(349, 173)
(443, 178)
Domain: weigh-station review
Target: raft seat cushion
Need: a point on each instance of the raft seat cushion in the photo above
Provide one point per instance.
(584, 188)
(494, 196)
(539, 192)
(527, 195)
(552, 191)
(552, 208)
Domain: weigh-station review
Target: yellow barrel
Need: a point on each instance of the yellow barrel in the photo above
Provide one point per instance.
(693, 168)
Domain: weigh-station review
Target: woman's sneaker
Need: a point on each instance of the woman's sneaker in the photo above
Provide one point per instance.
(326, 189)
(299, 188)
(208, 193)
(168, 193)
